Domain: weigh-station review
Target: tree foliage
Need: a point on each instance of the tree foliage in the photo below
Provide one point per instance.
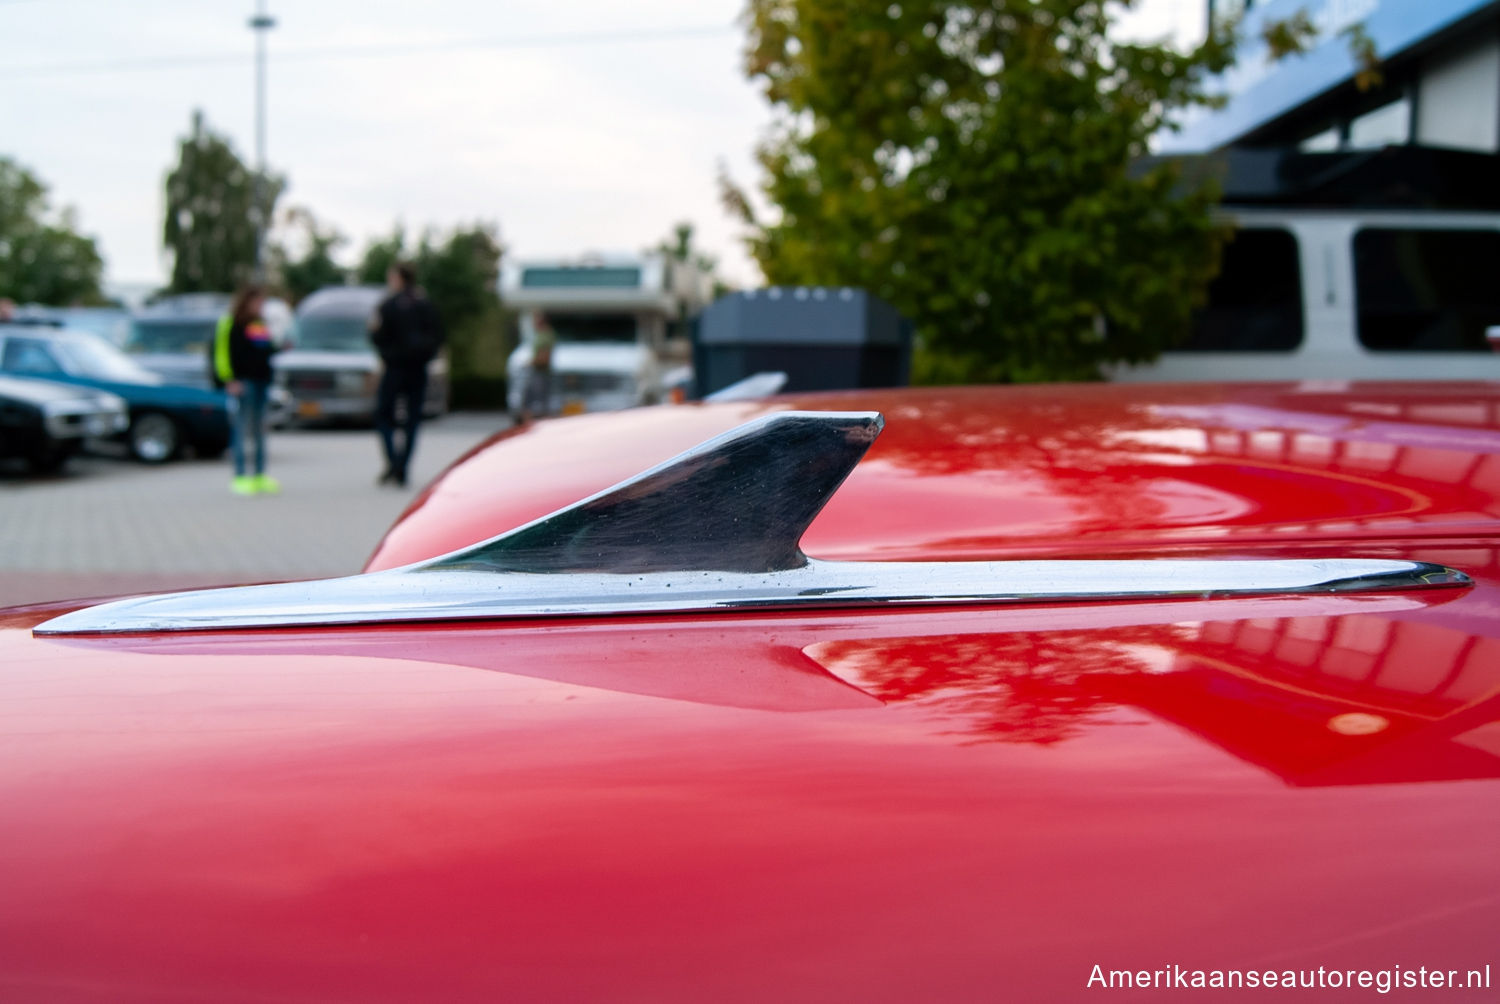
(43, 259)
(968, 162)
(681, 247)
(1298, 33)
(302, 259)
(380, 255)
(212, 213)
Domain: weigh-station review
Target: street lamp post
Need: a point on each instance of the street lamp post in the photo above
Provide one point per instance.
(260, 23)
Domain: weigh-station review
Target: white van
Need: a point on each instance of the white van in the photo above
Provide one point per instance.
(619, 321)
(1347, 294)
(332, 371)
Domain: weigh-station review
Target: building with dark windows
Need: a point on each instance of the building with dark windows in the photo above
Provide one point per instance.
(1367, 219)
(1346, 292)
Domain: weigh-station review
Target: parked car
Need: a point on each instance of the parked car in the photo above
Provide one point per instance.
(47, 422)
(110, 323)
(333, 373)
(1347, 265)
(163, 418)
(172, 336)
(1081, 685)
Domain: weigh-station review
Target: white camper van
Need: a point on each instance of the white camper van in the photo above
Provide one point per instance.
(1348, 285)
(619, 322)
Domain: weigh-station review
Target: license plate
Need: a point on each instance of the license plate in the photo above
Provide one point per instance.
(309, 409)
(573, 408)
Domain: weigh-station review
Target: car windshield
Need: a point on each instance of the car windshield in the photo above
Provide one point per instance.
(594, 327)
(91, 356)
(111, 325)
(333, 334)
(170, 336)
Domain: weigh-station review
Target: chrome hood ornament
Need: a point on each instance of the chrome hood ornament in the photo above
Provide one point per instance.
(716, 528)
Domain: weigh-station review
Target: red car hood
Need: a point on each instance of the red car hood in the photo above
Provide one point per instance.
(1070, 469)
(952, 804)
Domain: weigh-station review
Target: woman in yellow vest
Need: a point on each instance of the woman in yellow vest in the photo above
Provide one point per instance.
(242, 363)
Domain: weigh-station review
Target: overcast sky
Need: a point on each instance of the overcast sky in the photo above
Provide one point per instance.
(585, 125)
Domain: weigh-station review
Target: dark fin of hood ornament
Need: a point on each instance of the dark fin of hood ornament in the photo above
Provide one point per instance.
(737, 503)
(717, 529)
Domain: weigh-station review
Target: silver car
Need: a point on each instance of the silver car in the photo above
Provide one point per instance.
(333, 372)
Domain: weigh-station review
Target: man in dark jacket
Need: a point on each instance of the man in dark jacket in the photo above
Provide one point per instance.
(408, 333)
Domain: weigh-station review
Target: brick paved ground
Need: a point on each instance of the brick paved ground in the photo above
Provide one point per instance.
(110, 525)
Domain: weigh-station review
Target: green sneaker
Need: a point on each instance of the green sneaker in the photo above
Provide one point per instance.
(242, 485)
(266, 485)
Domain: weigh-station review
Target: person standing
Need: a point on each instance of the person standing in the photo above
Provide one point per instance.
(408, 333)
(242, 365)
(536, 396)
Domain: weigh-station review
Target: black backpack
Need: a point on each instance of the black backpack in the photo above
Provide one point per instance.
(413, 332)
(424, 337)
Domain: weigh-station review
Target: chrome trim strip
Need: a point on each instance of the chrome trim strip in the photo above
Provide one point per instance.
(717, 529)
(400, 595)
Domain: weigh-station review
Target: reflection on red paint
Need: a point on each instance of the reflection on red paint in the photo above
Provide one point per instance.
(1316, 700)
(361, 815)
(1045, 469)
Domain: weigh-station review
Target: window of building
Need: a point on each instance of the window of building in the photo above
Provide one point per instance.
(594, 327)
(1426, 290)
(578, 276)
(1328, 140)
(1255, 303)
(1388, 125)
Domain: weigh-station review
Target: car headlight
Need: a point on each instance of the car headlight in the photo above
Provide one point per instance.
(352, 383)
(116, 417)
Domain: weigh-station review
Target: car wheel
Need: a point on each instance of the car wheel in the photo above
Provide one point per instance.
(154, 438)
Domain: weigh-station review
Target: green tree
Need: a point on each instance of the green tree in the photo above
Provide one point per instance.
(310, 266)
(1298, 34)
(968, 162)
(43, 258)
(380, 255)
(461, 272)
(679, 247)
(212, 213)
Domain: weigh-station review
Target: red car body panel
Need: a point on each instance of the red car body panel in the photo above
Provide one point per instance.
(957, 803)
(1041, 470)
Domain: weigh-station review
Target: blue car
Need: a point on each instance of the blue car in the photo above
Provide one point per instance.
(110, 323)
(164, 419)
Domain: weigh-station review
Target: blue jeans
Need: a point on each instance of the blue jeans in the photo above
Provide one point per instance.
(407, 385)
(247, 422)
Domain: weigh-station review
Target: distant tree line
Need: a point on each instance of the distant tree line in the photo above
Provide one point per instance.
(214, 207)
(214, 204)
(43, 258)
